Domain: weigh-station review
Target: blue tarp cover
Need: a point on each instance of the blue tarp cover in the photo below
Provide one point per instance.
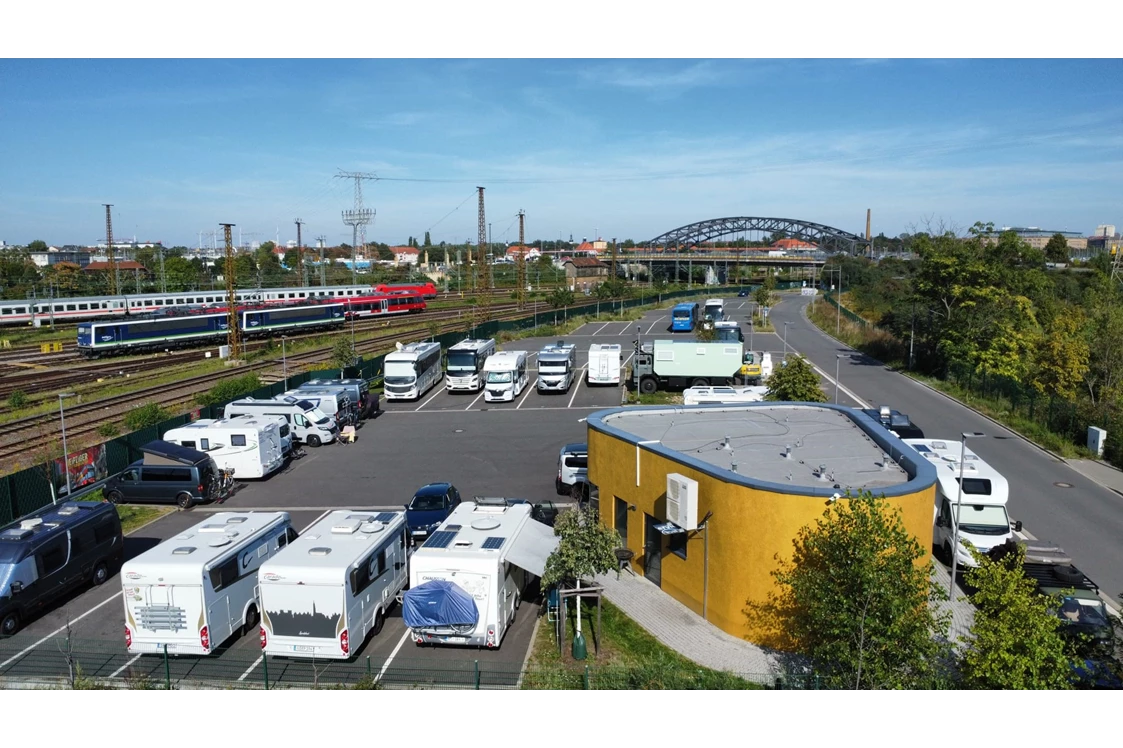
(438, 604)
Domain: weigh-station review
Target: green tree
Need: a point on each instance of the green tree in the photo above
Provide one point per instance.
(37, 245)
(342, 352)
(144, 416)
(795, 382)
(585, 548)
(1056, 250)
(245, 270)
(764, 297)
(857, 598)
(427, 242)
(1015, 639)
(559, 298)
(1061, 359)
(181, 274)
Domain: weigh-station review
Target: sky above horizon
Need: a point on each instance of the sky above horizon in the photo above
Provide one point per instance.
(615, 148)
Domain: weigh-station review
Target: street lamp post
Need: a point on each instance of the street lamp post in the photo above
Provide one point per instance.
(837, 360)
(786, 339)
(284, 362)
(62, 421)
(959, 497)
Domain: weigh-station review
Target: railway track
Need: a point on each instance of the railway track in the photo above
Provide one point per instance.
(24, 439)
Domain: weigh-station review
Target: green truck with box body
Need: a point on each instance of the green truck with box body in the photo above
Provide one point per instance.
(678, 364)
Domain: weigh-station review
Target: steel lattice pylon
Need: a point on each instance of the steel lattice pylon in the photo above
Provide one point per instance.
(233, 336)
(482, 308)
(827, 237)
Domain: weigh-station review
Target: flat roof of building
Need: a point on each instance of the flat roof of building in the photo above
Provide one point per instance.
(754, 437)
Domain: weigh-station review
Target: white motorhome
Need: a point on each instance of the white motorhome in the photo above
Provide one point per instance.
(557, 367)
(196, 589)
(283, 429)
(411, 371)
(466, 582)
(336, 405)
(713, 311)
(604, 364)
(982, 518)
(251, 446)
(330, 588)
(505, 376)
(466, 364)
(309, 424)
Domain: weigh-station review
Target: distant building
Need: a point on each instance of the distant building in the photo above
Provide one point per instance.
(1104, 229)
(1038, 238)
(54, 256)
(582, 273)
(130, 266)
(530, 253)
(406, 255)
(794, 246)
(590, 249)
(122, 243)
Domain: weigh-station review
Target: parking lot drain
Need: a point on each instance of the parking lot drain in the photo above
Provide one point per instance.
(1061, 484)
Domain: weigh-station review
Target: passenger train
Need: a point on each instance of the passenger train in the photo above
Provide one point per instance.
(182, 327)
(81, 308)
(380, 304)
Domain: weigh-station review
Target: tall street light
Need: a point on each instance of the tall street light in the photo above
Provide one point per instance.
(958, 498)
(786, 339)
(837, 360)
(62, 420)
(284, 362)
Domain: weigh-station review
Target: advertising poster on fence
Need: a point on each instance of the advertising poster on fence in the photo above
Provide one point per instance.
(86, 467)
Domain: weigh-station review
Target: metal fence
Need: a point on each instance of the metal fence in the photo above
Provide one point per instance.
(25, 491)
(86, 663)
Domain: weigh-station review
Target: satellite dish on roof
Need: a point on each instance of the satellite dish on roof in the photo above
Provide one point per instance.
(398, 345)
(486, 523)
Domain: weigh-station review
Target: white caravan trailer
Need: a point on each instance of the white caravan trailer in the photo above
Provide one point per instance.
(466, 364)
(309, 425)
(330, 587)
(505, 376)
(604, 364)
(557, 367)
(709, 395)
(251, 446)
(196, 589)
(466, 582)
(983, 521)
(411, 370)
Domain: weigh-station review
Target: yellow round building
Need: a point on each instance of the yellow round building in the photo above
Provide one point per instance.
(708, 497)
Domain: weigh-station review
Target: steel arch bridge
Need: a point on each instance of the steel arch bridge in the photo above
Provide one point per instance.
(827, 237)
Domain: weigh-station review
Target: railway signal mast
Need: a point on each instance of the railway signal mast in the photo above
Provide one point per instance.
(114, 278)
(520, 263)
(233, 337)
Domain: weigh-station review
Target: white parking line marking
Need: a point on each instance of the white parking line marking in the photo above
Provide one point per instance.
(476, 400)
(393, 654)
(56, 632)
(652, 327)
(422, 405)
(124, 667)
(524, 398)
(251, 668)
(576, 387)
(600, 328)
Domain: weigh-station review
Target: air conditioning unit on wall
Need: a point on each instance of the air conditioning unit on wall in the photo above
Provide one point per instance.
(682, 501)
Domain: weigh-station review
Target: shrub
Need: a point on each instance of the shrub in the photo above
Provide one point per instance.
(229, 389)
(108, 430)
(144, 416)
(17, 400)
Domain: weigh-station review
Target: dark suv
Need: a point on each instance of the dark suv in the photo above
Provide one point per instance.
(429, 507)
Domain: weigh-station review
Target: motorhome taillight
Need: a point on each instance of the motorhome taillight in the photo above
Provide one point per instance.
(491, 637)
(205, 637)
(264, 638)
(343, 645)
(200, 488)
(128, 637)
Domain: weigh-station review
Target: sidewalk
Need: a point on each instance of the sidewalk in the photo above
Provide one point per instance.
(687, 633)
(1101, 472)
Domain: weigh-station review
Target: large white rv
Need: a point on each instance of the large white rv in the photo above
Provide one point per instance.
(195, 590)
(982, 518)
(466, 364)
(557, 367)
(713, 311)
(604, 364)
(466, 582)
(330, 588)
(251, 446)
(411, 370)
(505, 375)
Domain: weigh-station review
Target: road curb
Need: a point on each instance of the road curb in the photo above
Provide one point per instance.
(526, 659)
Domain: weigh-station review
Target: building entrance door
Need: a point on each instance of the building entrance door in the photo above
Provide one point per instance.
(652, 550)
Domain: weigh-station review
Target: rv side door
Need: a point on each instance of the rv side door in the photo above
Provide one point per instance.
(51, 567)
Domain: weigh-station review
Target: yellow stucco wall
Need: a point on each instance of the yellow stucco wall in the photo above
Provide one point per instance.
(748, 529)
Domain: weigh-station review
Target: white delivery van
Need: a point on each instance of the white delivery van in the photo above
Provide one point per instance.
(251, 446)
(983, 521)
(466, 364)
(557, 367)
(309, 425)
(335, 405)
(604, 364)
(330, 588)
(467, 580)
(505, 376)
(196, 589)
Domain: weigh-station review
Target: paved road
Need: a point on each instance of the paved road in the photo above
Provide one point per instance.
(1084, 518)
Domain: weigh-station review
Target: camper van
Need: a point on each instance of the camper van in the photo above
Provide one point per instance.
(466, 582)
(357, 389)
(251, 446)
(466, 364)
(411, 370)
(52, 551)
(309, 425)
(197, 589)
(330, 588)
(557, 367)
(505, 376)
(982, 518)
(604, 364)
(283, 430)
(335, 404)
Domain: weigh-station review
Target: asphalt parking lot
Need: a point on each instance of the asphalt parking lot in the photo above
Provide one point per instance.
(485, 449)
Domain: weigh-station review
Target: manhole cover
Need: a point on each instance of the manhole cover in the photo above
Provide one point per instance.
(1061, 484)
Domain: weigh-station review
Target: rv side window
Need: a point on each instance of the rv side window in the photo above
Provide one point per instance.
(105, 531)
(237, 440)
(186, 443)
(381, 568)
(129, 475)
(51, 557)
(81, 540)
(225, 575)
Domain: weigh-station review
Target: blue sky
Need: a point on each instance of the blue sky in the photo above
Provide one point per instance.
(617, 147)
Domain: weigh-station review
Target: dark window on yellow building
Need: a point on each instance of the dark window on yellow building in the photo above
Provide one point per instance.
(622, 520)
(677, 545)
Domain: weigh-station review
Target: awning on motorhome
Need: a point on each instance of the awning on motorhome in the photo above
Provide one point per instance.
(534, 544)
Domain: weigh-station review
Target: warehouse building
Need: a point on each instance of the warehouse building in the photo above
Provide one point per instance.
(706, 497)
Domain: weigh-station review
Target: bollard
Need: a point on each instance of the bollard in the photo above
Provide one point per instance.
(368, 666)
(586, 678)
(167, 670)
(477, 666)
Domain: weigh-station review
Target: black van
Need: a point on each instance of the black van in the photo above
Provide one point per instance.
(168, 473)
(52, 551)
